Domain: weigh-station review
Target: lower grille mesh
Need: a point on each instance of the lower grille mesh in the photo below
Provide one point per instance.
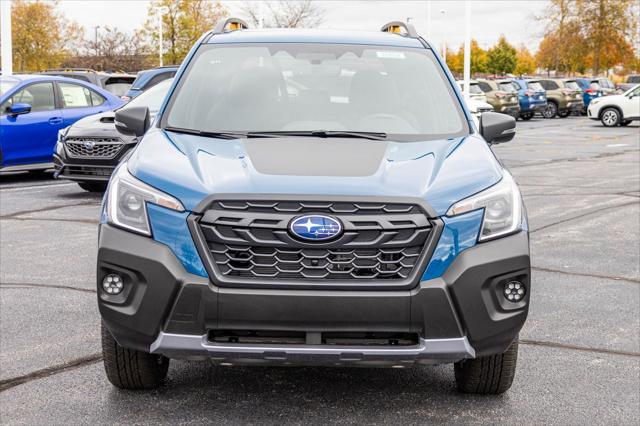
(360, 264)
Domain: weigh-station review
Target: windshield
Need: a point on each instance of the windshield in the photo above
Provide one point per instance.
(153, 97)
(571, 85)
(535, 86)
(508, 86)
(6, 85)
(306, 87)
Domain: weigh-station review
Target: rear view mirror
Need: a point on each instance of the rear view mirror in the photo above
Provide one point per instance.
(132, 121)
(497, 128)
(19, 109)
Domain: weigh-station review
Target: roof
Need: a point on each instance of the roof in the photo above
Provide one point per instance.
(25, 77)
(316, 36)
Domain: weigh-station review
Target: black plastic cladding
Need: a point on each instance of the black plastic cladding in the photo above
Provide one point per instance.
(262, 206)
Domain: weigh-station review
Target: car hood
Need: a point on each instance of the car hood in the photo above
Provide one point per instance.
(94, 125)
(191, 167)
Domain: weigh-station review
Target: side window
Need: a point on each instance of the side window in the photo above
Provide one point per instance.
(517, 85)
(96, 99)
(39, 96)
(552, 85)
(636, 92)
(484, 86)
(75, 96)
(157, 79)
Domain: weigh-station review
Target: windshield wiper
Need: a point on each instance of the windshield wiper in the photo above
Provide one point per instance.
(321, 134)
(219, 135)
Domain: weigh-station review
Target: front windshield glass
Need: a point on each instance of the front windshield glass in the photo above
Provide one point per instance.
(6, 85)
(308, 87)
(153, 97)
(535, 86)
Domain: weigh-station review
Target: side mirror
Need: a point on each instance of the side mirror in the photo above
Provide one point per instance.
(497, 128)
(133, 121)
(19, 109)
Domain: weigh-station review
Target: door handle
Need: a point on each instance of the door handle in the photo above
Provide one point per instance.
(55, 120)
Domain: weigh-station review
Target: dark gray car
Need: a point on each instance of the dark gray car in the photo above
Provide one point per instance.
(88, 151)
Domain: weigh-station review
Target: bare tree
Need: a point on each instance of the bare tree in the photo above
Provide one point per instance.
(285, 13)
(116, 51)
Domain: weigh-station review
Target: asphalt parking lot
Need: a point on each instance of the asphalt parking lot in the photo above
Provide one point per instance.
(579, 358)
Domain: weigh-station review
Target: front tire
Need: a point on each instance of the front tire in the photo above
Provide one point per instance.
(527, 116)
(491, 374)
(550, 111)
(563, 114)
(610, 117)
(131, 369)
(93, 186)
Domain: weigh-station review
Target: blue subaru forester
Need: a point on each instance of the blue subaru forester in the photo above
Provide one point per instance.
(313, 197)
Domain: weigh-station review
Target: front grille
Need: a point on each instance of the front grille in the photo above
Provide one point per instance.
(249, 242)
(91, 147)
(87, 171)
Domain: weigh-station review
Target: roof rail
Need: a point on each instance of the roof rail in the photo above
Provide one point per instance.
(396, 26)
(71, 69)
(230, 24)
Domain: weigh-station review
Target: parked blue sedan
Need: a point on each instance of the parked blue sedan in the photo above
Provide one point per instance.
(532, 97)
(32, 110)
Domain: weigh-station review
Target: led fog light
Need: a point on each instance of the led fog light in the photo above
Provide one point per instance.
(112, 284)
(514, 291)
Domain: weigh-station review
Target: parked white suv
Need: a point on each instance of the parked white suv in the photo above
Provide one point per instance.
(617, 109)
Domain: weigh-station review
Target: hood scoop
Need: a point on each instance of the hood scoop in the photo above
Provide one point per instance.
(301, 156)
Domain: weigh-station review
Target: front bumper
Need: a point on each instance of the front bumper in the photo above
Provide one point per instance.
(85, 169)
(166, 310)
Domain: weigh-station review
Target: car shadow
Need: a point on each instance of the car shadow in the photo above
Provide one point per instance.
(306, 394)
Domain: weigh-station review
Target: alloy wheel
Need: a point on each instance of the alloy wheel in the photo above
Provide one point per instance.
(610, 118)
(550, 111)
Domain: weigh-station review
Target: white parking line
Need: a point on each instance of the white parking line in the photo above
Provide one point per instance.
(613, 145)
(45, 185)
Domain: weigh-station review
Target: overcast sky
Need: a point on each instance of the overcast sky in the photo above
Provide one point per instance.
(514, 19)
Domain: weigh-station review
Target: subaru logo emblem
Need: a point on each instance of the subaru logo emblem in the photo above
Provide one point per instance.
(315, 227)
(89, 145)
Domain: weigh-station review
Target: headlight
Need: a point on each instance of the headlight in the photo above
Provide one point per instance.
(127, 199)
(502, 206)
(61, 134)
(595, 101)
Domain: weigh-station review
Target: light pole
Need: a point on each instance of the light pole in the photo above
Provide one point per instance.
(444, 42)
(5, 33)
(159, 12)
(467, 50)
